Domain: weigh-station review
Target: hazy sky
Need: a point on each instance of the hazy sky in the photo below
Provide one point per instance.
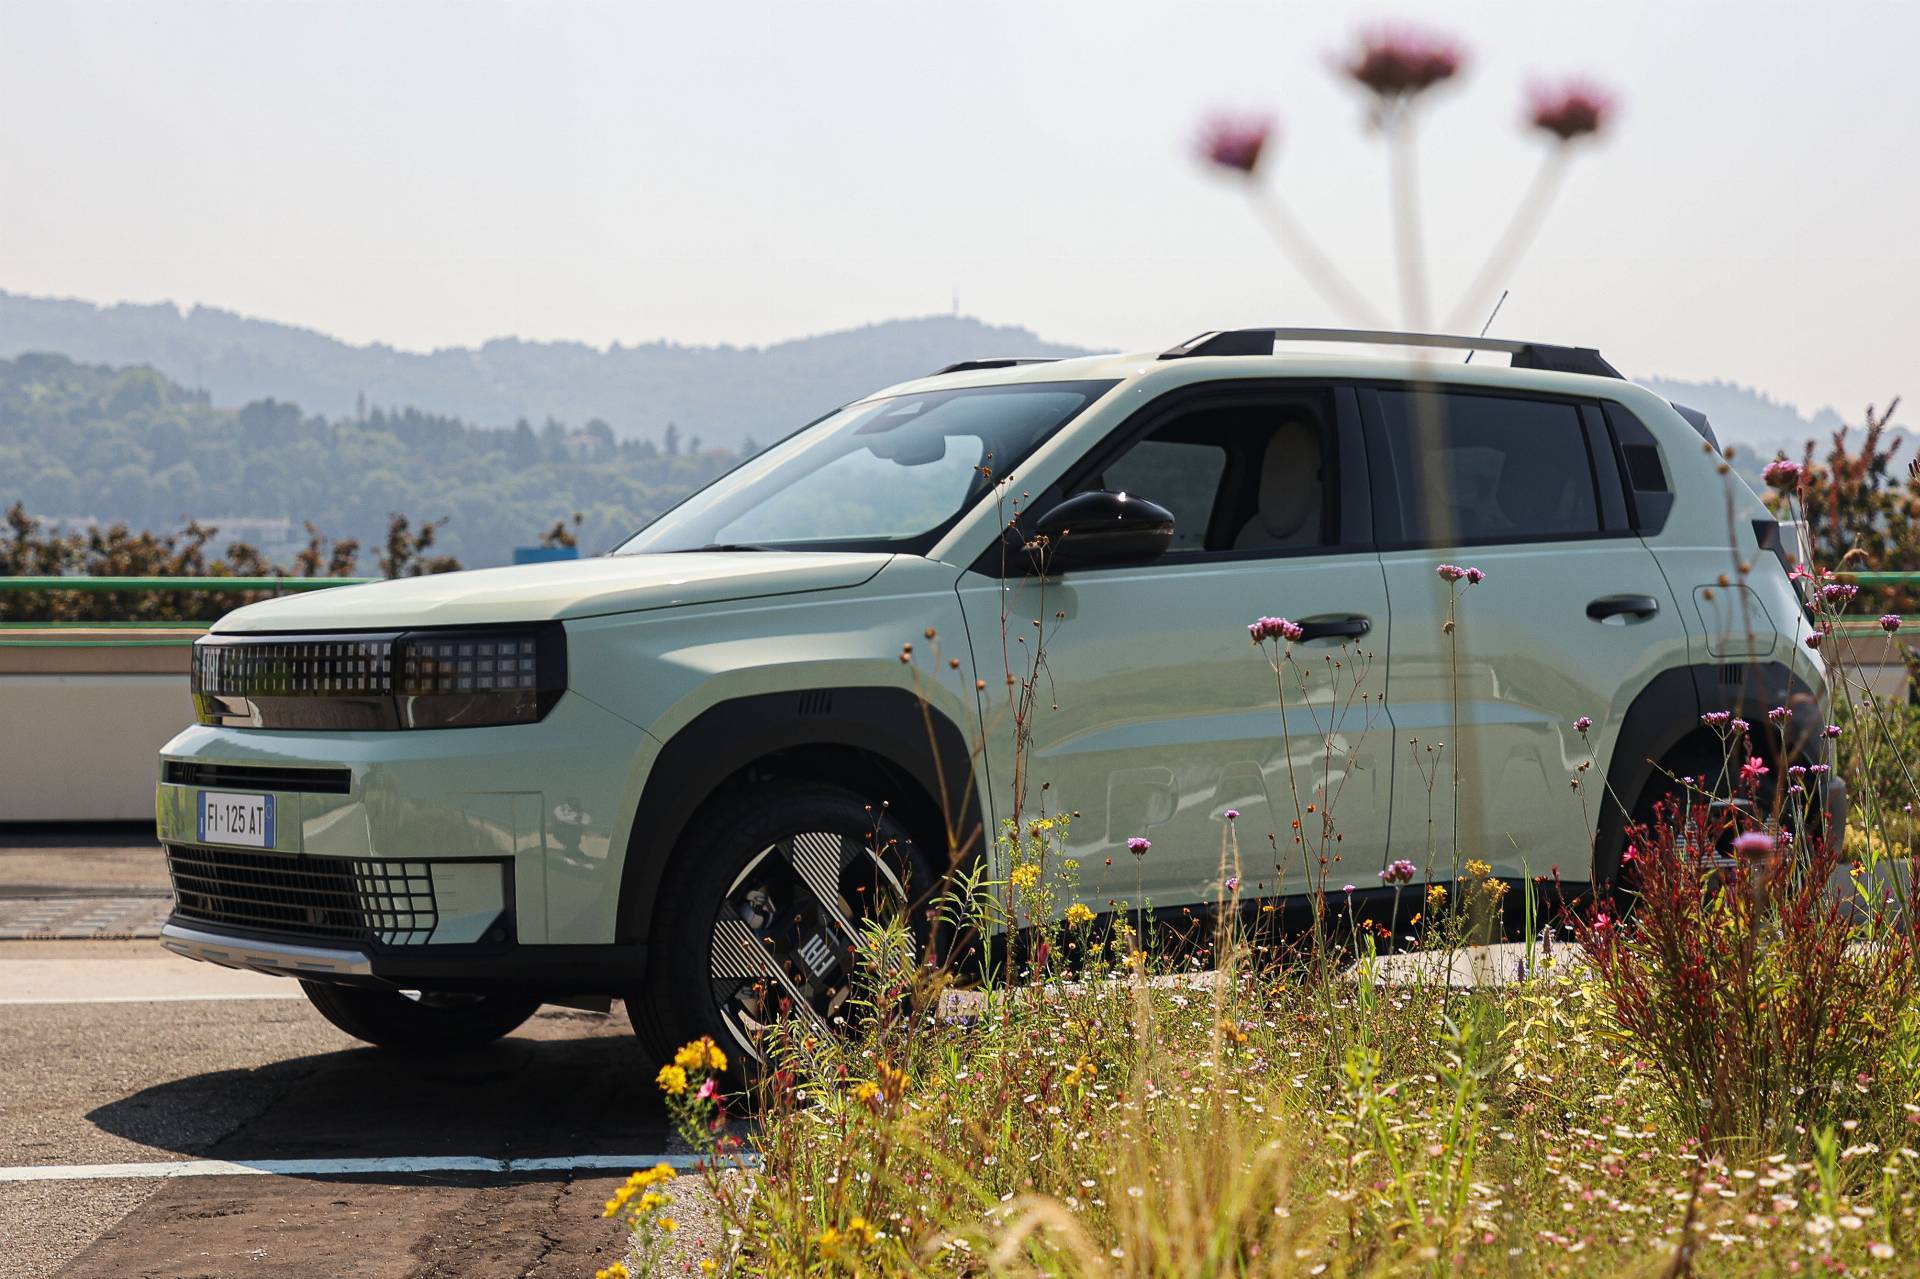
(438, 174)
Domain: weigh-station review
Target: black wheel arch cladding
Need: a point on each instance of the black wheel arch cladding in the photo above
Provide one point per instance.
(889, 726)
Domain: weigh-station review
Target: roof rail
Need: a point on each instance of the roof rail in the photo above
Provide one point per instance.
(995, 362)
(1526, 355)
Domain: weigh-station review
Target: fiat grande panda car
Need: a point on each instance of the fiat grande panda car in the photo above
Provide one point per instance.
(684, 772)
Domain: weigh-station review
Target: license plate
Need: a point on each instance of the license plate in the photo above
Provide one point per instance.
(246, 820)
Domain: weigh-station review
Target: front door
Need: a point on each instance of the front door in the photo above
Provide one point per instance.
(1157, 714)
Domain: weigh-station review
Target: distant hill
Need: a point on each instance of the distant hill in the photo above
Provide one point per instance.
(724, 395)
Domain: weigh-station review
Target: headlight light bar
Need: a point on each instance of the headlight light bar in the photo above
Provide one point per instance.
(448, 678)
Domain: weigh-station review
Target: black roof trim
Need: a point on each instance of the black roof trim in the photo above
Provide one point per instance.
(995, 362)
(1525, 355)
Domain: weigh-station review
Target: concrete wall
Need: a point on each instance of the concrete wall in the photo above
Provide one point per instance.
(81, 725)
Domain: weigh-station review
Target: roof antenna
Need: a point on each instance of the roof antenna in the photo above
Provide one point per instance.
(1489, 324)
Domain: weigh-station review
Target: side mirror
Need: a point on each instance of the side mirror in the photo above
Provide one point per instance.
(1101, 529)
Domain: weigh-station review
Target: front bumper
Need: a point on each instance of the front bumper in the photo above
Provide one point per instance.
(520, 830)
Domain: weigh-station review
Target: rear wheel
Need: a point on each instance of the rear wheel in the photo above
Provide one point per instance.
(765, 905)
(418, 1021)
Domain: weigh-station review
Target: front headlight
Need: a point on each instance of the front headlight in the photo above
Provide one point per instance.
(452, 678)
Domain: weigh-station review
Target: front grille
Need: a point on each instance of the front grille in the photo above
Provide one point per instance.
(324, 898)
(261, 777)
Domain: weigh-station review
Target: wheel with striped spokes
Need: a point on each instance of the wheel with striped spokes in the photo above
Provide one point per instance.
(778, 893)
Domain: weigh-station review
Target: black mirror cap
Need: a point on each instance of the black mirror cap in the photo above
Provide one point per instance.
(1101, 529)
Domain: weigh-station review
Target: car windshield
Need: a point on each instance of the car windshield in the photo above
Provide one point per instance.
(882, 475)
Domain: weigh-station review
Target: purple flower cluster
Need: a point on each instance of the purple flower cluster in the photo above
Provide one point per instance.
(1838, 592)
(1573, 110)
(1400, 871)
(1582, 724)
(1890, 622)
(1717, 719)
(1782, 474)
(1831, 730)
(1399, 62)
(1266, 628)
(1754, 843)
(1778, 714)
(1454, 572)
(1138, 846)
(1236, 142)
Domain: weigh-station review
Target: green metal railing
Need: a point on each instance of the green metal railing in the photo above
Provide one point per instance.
(133, 585)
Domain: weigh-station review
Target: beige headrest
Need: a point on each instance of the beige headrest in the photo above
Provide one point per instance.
(1290, 480)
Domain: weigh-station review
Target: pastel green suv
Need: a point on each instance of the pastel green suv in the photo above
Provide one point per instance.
(684, 773)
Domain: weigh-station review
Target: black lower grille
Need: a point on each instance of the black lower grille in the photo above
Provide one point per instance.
(325, 898)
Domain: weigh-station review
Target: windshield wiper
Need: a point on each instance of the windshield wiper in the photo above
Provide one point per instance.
(724, 546)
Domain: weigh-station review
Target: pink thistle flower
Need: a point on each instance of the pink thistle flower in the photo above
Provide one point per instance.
(1236, 142)
(1778, 714)
(1575, 109)
(1475, 576)
(1233, 814)
(1138, 846)
(1813, 640)
(1346, 888)
(1582, 724)
(1831, 730)
(1400, 62)
(1838, 592)
(1232, 884)
(1738, 725)
(1400, 871)
(1890, 622)
(1754, 843)
(1717, 719)
(1754, 769)
(1782, 474)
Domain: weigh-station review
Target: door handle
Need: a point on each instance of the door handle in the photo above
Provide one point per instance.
(1350, 626)
(1622, 606)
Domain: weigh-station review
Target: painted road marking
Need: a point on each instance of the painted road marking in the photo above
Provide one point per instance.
(398, 1164)
(152, 999)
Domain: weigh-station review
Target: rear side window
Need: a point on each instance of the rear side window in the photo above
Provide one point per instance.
(1469, 468)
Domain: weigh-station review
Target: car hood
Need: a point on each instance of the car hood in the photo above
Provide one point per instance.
(556, 590)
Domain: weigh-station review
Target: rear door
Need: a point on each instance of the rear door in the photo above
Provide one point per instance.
(1573, 618)
(1157, 715)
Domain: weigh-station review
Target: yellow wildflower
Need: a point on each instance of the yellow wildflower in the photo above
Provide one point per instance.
(672, 1080)
(668, 1225)
(1025, 876)
(866, 1090)
(1437, 895)
(1082, 1071)
(701, 1054)
(708, 1265)
(1478, 869)
(618, 1270)
(858, 1231)
(1079, 916)
(828, 1238)
(892, 1082)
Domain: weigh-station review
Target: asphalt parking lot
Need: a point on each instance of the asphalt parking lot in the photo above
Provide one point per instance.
(151, 1102)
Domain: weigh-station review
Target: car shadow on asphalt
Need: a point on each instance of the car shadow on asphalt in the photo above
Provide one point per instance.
(520, 1098)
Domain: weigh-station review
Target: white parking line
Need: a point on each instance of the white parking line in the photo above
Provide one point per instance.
(152, 999)
(340, 1167)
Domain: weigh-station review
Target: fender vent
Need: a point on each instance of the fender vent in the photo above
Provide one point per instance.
(816, 701)
(1732, 676)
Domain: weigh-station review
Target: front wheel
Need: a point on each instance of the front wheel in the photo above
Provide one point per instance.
(762, 912)
(418, 1021)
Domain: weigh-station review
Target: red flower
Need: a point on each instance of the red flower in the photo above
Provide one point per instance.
(1575, 109)
(1399, 62)
(1235, 143)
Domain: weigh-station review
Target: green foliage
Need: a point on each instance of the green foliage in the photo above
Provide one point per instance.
(128, 446)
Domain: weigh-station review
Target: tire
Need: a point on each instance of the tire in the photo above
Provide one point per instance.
(427, 1024)
(745, 919)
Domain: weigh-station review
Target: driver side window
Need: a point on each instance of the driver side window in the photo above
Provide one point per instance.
(1251, 476)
